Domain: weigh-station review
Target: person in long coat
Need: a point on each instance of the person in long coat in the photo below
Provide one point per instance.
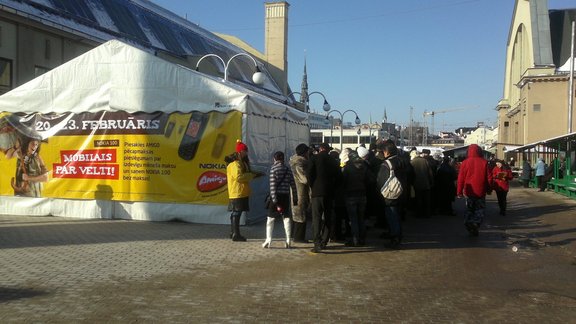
(301, 211)
(423, 183)
(540, 170)
(526, 173)
(324, 175)
(445, 183)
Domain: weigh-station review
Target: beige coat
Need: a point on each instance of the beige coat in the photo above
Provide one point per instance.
(299, 164)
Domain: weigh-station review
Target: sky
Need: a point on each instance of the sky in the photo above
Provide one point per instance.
(383, 56)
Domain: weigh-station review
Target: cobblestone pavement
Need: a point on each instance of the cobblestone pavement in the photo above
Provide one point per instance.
(61, 270)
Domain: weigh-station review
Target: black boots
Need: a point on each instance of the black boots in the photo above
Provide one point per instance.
(235, 221)
(299, 232)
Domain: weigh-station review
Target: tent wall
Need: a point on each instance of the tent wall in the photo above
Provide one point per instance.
(118, 77)
(265, 135)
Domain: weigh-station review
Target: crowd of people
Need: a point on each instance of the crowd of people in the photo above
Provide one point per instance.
(338, 192)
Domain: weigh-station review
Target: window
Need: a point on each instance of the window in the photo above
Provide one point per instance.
(332, 140)
(315, 138)
(536, 107)
(5, 75)
(350, 140)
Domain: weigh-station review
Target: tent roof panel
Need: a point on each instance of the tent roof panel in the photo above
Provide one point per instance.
(117, 76)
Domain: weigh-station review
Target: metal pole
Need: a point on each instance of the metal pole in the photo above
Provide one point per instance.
(571, 83)
(331, 129)
(341, 135)
(410, 134)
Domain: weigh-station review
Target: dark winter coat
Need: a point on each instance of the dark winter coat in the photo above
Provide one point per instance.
(356, 178)
(423, 174)
(526, 170)
(323, 174)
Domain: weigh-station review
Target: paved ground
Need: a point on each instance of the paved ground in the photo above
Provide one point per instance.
(60, 270)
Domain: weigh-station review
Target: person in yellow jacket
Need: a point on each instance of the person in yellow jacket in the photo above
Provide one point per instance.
(239, 175)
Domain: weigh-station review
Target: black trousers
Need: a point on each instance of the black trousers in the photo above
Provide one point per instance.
(299, 231)
(541, 183)
(501, 195)
(423, 203)
(321, 218)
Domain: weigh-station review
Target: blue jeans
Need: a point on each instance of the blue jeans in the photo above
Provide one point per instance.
(356, 208)
(393, 219)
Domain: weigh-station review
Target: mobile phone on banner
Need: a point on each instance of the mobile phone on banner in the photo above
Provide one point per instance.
(192, 135)
(169, 129)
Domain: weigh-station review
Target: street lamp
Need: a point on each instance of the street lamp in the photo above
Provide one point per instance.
(357, 121)
(371, 128)
(326, 106)
(257, 77)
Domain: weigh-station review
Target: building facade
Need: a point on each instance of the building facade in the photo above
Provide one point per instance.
(535, 105)
(482, 136)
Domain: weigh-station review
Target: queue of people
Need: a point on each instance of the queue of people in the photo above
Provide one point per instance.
(338, 192)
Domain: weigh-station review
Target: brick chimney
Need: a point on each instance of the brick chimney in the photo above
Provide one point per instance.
(276, 42)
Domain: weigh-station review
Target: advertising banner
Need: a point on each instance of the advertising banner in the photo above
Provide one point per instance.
(116, 155)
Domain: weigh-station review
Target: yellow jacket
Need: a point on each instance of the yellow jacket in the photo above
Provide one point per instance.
(238, 180)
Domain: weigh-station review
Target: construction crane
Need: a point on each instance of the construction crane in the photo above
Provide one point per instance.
(434, 112)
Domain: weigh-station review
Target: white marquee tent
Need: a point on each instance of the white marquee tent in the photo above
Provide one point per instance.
(119, 77)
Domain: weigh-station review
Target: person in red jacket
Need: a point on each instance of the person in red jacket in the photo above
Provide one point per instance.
(501, 175)
(474, 179)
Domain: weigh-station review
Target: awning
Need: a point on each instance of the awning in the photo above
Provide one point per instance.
(508, 148)
(554, 143)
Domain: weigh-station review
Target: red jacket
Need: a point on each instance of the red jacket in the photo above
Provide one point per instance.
(474, 179)
(501, 184)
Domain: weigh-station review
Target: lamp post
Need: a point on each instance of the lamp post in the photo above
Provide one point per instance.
(257, 77)
(371, 129)
(357, 121)
(326, 106)
(400, 140)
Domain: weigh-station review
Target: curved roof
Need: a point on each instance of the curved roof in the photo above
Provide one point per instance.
(143, 24)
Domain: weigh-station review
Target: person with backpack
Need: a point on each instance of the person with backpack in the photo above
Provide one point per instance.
(392, 167)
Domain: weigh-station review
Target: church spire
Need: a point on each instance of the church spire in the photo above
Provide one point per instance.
(304, 87)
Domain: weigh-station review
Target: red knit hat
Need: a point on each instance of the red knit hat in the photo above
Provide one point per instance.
(240, 146)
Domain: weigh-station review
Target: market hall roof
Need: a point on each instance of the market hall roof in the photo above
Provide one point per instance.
(555, 143)
(142, 24)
